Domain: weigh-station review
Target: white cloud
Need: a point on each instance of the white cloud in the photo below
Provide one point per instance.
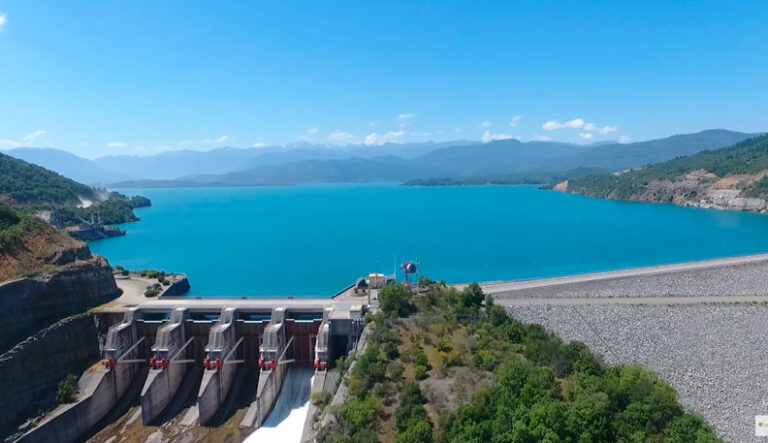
(544, 138)
(625, 139)
(552, 125)
(257, 144)
(311, 131)
(586, 135)
(116, 145)
(484, 124)
(380, 139)
(515, 120)
(604, 130)
(341, 136)
(27, 140)
(578, 123)
(30, 138)
(406, 116)
(221, 139)
(488, 137)
(456, 130)
(3, 19)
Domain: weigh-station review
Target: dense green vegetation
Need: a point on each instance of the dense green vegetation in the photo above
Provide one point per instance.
(529, 385)
(27, 184)
(747, 157)
(117, 209)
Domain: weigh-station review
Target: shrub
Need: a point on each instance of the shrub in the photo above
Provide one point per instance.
(424, 281)
(420, 372)
(320, 399)
(8, 217)
(67, 389)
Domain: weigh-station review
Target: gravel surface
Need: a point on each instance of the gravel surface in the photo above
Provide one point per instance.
(714, 355)
(742, 279)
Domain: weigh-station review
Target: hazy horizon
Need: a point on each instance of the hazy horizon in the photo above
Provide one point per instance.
(350, 146)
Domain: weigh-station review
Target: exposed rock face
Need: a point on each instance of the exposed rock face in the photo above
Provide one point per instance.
(32, 304)
(180, 286)
(32, 370)
(562, 186)
(92, 232)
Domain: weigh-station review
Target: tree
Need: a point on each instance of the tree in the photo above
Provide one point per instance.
(395, 301)
(689, 429)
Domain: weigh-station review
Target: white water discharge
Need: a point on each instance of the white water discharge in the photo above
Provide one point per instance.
(286, 421)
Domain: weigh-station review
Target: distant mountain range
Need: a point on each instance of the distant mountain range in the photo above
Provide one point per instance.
(283, 165)
(175, 164)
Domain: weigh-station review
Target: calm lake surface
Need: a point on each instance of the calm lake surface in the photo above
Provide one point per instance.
(314, 240)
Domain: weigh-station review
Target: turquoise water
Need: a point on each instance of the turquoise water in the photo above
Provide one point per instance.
(313, 240)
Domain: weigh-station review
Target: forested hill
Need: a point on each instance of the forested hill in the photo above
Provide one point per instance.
(729, 178)
(23, 183)
(36, 190)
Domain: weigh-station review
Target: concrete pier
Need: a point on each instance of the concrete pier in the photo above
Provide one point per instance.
(167, 367)
(220, 365)
(321, 372)
(273, 367)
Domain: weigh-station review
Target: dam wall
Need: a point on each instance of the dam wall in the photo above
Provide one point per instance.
(228, 342)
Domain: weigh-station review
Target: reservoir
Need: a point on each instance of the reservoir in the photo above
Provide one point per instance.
(313, 240)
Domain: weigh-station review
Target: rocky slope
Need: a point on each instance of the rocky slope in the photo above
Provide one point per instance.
(733, 178)
(32, 304)
(33, 368)
(49, 280)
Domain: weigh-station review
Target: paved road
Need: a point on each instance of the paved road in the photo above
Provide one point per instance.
(266, 304)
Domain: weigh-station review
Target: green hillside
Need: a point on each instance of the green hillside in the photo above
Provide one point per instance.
(23, 183)
(749, 157)
(32, 188)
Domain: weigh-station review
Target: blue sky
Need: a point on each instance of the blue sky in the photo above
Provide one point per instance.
(110, 77)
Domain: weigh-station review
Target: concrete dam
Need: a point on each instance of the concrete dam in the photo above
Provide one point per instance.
(153, 350)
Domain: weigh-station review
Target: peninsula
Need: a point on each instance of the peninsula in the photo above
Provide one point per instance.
(729, 178)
